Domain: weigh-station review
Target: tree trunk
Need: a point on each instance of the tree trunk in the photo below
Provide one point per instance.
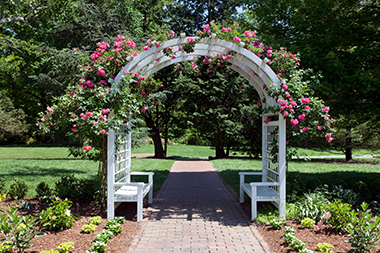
(348, 148)
(167, 115)
(219, 152)
(154, 133)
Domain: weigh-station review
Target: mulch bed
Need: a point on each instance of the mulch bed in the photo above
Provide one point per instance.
(82, 242)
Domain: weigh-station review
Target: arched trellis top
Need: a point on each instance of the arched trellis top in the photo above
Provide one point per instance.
(258, 73)
(255, 70)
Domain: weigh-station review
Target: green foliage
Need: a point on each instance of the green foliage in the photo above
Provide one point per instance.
(88, 229)
(2, 186)
(49, 251)
(6, 247)
(363, 230)
(311, 205)
(295, 188)
(295, 243)
(307, 223)
(95, 220)
(18, 229)
(324, 247)
(12, 119)
(43, 189)
(18, 189)
(113, 227)
(65, 247)
(57, 216)
(277, 223)
(375, 187)
(73, 188)
(362, 188)
(339, 214)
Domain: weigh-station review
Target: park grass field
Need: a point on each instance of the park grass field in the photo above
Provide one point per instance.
(49, 164)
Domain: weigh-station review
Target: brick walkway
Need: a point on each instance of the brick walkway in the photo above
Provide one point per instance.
(194, 212)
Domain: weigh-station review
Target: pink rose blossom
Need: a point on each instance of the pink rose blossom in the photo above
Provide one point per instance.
(229, 29)
(284, 86)
(158, 44)
(101, 72)
(144, 108)
(286, 114)
(319, 128)
(305, 100)
(236, 38)
(326, 109)
(190, 40)
(287, 94)
(307, 107)
(223, 29)
(136, 74)
(258, 103)
(146, 48)
(268, 120)
(301, 117)
(294, 122)
(103, 131)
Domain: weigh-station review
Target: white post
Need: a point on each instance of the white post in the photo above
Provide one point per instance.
(264, 149)
(129, 147)
(110, 174)
(282, 164)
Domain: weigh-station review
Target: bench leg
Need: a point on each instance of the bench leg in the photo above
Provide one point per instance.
(150, 196)
(254, 202)
(139, 205)
(241, 194)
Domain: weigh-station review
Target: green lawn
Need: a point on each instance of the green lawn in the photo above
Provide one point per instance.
(49, 164)
(309, 172)
(311, 152)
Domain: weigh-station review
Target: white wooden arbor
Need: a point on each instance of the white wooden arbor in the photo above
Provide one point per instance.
(255, 70)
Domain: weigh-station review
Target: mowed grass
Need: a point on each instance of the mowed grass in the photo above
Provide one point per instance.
(49, 164)
(325, 173)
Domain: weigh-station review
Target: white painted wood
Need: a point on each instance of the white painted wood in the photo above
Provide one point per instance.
(119, 185)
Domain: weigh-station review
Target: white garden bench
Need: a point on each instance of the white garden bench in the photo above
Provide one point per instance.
(119, 186)
(273, 183)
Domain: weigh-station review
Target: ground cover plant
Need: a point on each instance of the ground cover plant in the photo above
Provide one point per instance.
(55, 215)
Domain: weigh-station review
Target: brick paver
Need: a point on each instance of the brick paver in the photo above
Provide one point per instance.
(194, 212)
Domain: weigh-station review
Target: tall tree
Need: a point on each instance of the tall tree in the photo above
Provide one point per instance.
(340, 39)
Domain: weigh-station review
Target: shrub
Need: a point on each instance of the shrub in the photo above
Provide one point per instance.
(362, 188)
(345, 195)
(57, 216)
(67, 187)
(375, 187)
(307, 223)
(18, 229)
(18, 189)
(324, 247)
(2, 186)
(312, 206)
(295, 188)
(43, 190)
(363, 230)
(277, 223)
(73, 188)
(339, 214)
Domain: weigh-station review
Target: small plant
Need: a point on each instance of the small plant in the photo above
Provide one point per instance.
(95, 220)
(311, 206)
(26, 206)
(277, 223)
(114, 226)
(18, 189)
(6, 247)
(339, 214)
(363, 230)
(65, 247)
(324, 247)
(49, 251)
(18, 230)
(98, 246)
(57, 216)
(88, 229)
(307, 223)
(2, 197)
(43, 189)
(293, 241)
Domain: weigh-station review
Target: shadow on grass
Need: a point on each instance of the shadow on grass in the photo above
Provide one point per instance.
(307, 182)
(25, 171)
(45, 158)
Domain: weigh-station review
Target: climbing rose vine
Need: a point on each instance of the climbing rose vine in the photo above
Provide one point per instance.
(96, 104)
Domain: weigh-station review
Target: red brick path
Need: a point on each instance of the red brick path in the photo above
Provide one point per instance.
(194, 212)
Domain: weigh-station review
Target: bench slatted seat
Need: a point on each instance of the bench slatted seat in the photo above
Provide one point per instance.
(272, 185)
(119, 186)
